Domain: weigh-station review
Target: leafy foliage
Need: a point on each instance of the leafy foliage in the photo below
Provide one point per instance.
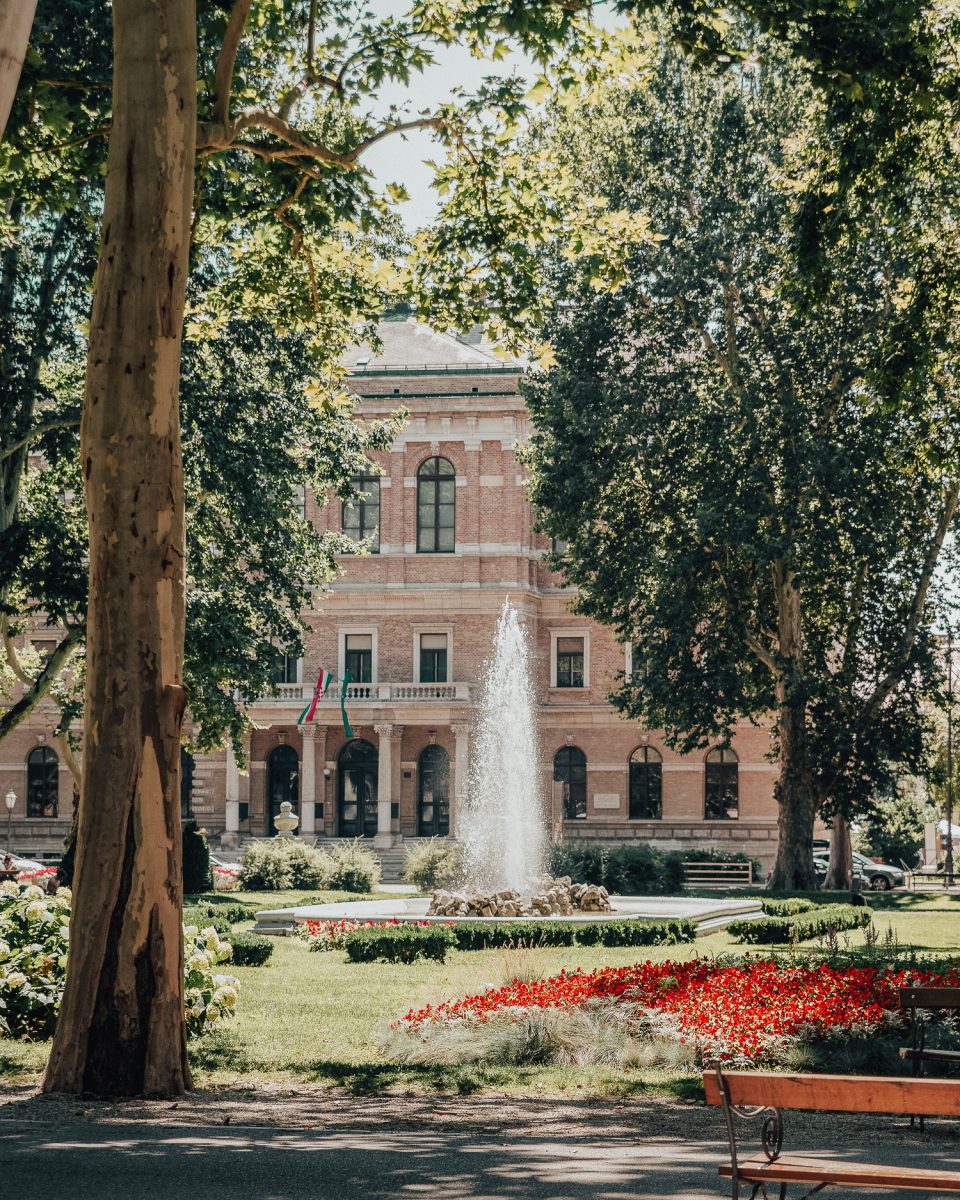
(398, 943)
(277, 864)
(250, 950)
(353, 868)
(433, 864)
(734, 432)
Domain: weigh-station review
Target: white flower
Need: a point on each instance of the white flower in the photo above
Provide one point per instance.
(9, 888)
(64, 893)
(198, 962)
(37, 911)
(16, 979)
(4, 948)
(34, 893)
(189, 931)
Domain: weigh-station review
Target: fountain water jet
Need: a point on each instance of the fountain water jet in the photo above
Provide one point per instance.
(502, 823)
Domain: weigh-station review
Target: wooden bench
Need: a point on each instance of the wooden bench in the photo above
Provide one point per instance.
(718, 874)
(763, 1094)
(928, 999)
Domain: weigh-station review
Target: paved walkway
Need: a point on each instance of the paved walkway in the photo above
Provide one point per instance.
(345, 1148)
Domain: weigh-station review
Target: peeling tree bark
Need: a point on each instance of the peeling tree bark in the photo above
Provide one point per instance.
(16, 21)
(121, 1029)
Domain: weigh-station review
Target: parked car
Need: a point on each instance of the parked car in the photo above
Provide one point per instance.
(880, 877)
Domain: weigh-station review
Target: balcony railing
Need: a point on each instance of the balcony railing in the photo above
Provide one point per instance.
(374, 693)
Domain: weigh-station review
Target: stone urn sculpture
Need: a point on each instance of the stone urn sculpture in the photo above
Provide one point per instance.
(286, 820)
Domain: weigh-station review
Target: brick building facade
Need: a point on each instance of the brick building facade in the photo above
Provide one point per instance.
(451, 536)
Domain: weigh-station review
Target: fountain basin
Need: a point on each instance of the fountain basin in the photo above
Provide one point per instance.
(710, 915)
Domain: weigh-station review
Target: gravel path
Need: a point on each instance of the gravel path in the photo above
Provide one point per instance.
(275, 1143)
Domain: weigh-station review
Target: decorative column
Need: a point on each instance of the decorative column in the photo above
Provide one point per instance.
(396, 759)
(461, 770)
(231, 835)
(384, 782)
(308, 782)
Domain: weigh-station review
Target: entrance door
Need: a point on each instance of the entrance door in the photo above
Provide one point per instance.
(357, 790)
(283, 783)
(433, 788)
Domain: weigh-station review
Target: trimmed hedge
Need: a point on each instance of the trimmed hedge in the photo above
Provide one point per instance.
(776, 931)
(407, 943)
(790, 907)
(398, 943)
(250, 950)
(634, 869)
(233, 912)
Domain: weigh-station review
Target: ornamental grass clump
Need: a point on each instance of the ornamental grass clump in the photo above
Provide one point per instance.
(353, 868)
(34, 942)
(277, 864)
(437, 863)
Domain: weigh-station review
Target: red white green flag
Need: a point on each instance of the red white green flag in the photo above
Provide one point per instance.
(323, 682)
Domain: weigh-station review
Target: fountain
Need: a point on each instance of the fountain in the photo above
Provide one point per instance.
(502, 824)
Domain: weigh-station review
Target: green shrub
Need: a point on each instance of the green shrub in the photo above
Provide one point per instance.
(234, 912)
(487, 935)
(787, 908)
(774, 931)
(398, 943)
(638, 932)
(433, 864)
(352, 868)
(709, 854)
(250, 950)
(194, 915)
(633, 868)
(197, 872)
(280, 863)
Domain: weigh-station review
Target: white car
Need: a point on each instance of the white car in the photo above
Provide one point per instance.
(20, 864)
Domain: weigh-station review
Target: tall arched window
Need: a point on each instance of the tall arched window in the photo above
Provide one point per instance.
(43, 773)
(646, 784)
(283, 782)
(721, 786)
(433, 791)
(570, 775)
(361, 514)
(436, 507)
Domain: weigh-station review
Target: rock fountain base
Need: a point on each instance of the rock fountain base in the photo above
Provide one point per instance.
(553, 897)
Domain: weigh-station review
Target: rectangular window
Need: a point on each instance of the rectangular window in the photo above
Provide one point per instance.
(358, 657)
(288, 671)
(433, 658)
(361, 516)
(300, 501)
(570, 662)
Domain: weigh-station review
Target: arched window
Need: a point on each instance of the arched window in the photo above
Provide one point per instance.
(186, 784)
(570, 775)
(361, 514)
(357, 789)
(433, 792)
(721, 786)
(646, 784)
(43, 772)
(283, 782)
(436, 507)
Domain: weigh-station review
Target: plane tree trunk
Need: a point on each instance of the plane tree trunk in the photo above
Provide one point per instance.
(121, 1029)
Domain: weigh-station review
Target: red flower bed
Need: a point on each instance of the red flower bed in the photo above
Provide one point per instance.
(728, 1012)
(329, 935)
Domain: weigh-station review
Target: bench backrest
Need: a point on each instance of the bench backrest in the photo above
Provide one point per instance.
(837, 1093)
(719, 870)
(930, 997)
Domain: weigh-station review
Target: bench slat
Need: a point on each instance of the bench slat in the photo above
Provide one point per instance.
(890, 1094)
(912, 1055)
(929, 997)
(793, 1169)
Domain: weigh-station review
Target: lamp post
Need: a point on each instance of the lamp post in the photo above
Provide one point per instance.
(948, 857)
(10, 800)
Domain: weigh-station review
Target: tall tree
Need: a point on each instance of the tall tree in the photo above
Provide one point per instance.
(749, 496)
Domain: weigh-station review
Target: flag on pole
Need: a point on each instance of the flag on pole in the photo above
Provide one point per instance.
(344, 684)
(323, 682)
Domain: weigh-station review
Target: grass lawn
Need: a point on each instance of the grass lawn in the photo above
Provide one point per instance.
(290, 898)
(312, 1017)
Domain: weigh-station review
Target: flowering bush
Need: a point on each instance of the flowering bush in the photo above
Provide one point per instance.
(225, 880)
(33, 958)
(333, 935)
(209, 997)
(34, 932)
(749, 1013)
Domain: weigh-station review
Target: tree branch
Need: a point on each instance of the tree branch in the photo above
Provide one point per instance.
(227, 61)
(38, 431)
(16, 713)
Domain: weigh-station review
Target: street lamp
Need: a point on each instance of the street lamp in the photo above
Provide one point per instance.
(10, 800)
(948, 858)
